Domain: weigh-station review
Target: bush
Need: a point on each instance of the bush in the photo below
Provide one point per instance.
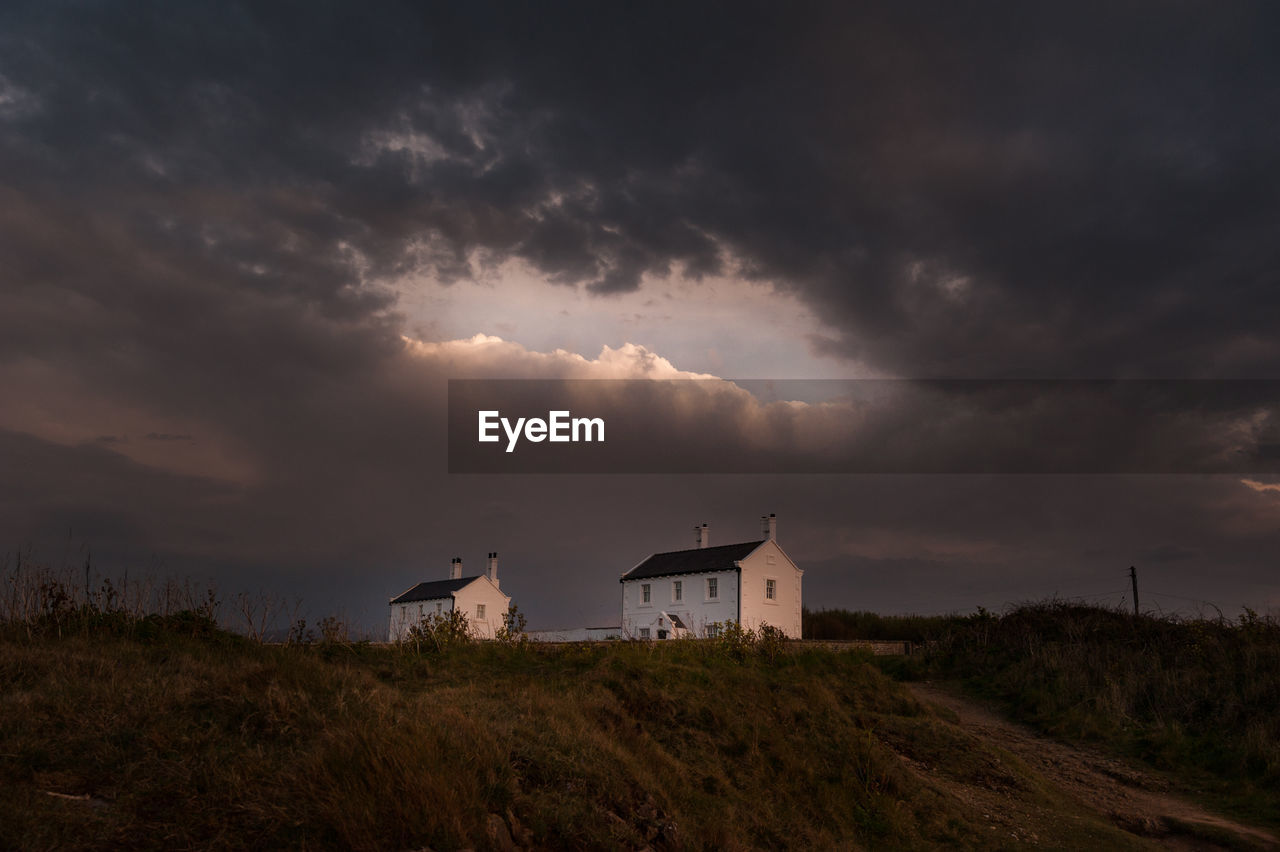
(438, 631)
(732, 640)
(512, 630)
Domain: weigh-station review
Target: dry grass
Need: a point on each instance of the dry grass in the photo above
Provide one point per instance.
(173, 740)
(214, 741)
(128, 726)
(1193, 697)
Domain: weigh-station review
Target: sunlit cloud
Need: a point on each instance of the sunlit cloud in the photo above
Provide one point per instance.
(487, 355)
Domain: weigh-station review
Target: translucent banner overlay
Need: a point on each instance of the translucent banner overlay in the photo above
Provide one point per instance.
(578, 426)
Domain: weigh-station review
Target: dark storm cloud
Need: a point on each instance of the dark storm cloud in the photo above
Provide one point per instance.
(1012, 192)
(200, 205)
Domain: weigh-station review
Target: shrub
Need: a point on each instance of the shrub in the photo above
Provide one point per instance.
(334, 630)
(438, 631)
(732, 640)
(512, 630)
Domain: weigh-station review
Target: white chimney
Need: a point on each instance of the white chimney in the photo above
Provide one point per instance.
(492, 571)
(455, 568)
(769, 527)
(702, 535)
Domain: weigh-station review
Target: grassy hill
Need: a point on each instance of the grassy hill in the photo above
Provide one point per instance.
(120, 728)
(166, 732)
(1196, 698)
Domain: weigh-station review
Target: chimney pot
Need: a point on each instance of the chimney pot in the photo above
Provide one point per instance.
(492, 571)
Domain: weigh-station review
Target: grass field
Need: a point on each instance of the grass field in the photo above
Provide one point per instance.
(123, 725)
(210, 740)
(163, 731)
(1198, 699)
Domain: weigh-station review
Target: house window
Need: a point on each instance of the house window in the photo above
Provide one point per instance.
(662, 634)
(644, 593)
(677, 591)
(439, 607)
(419, 610)
(771, 590)
(644, 633)
(713, 630)
(404, 612)
(713, 588)
(479, 612)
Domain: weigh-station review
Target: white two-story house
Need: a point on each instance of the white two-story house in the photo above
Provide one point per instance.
(477, 597)
(688, 592)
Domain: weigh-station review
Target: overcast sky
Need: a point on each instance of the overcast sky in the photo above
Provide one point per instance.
(243, 247)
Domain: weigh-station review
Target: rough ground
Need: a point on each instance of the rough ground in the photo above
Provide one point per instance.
(1134, 801)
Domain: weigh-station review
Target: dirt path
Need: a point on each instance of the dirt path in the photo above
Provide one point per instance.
(1132, 800)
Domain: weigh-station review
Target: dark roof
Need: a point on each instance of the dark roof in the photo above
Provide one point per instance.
(700, 560)
(433, 589)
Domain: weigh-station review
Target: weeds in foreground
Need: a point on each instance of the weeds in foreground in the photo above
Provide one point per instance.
(438, 631)
(200, 742)
(37, 601)
(1196, 697)
(730, 639)
(512, 631)
(108, 683)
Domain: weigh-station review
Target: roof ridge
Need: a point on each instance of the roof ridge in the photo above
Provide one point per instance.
(449, 584)
(711, 547)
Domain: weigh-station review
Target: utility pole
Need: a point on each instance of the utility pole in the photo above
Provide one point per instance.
(1133, 576)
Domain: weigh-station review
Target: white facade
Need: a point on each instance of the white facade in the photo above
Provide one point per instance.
(405, 615)
(753, 584)
(771, 592)
(696, 600)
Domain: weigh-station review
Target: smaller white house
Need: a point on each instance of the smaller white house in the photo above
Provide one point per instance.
(688, 592)
(478, 597)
